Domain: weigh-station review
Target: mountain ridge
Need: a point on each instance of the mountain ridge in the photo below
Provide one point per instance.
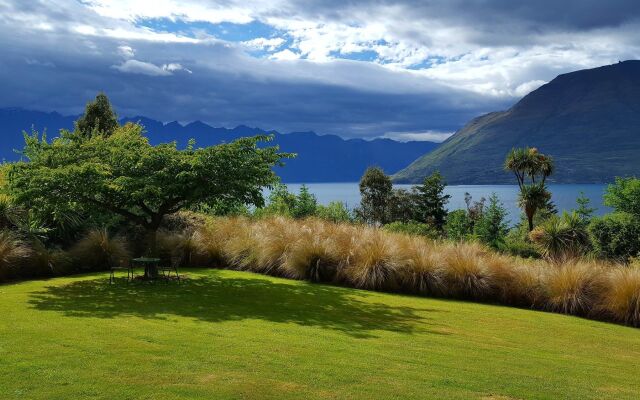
(588, 120)
(321, 158)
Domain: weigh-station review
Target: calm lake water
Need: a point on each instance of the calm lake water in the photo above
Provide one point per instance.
(564, 196)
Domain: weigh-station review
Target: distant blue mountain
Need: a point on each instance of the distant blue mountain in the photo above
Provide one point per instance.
(321, 158)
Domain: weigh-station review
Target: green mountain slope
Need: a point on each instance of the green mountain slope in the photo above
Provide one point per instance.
(588, 120)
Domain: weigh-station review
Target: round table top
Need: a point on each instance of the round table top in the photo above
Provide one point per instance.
(146, 260)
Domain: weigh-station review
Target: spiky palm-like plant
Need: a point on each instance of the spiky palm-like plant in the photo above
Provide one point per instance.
(537, 167)
(561, 238)
(531, 199)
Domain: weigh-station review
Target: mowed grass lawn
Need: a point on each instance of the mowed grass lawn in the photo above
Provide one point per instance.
(226, 334)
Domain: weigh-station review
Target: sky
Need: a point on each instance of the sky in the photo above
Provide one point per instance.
(406, 69)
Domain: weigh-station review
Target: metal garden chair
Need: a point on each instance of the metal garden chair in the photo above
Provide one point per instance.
(120, 265)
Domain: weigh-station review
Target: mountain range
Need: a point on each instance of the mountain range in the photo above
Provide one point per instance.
(320, 158)
(588, 121)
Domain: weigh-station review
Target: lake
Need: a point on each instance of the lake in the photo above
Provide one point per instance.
(563, 195)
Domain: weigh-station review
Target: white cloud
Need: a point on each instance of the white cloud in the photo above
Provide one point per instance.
(141, 67)
(261, 43)
(430, 136)
(285, 54)
(126, 51)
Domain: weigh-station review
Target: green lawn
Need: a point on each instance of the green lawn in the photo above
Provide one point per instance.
(225, 334)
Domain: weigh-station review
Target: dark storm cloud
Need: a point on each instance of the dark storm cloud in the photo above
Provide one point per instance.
(58, 57)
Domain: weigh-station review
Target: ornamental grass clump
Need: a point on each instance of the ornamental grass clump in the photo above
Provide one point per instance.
(12, 251)
(374, 260)
(620, 298)
(313, 254)
(98, 249)
(572, 288)
(422, 267)
(273, 238)
(466, 274)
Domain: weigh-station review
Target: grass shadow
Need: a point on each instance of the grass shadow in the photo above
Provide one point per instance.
(216, 298)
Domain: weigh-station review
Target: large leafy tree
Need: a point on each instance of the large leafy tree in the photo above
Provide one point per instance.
(531, 169)
(98, 118)
(431, 200)
(375, 191)
(123, 174)
(624, 196)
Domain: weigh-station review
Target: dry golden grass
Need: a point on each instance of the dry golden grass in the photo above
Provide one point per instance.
(572, 288)
(466, 273)
(422, 266)
(621, 295)
(370, 258)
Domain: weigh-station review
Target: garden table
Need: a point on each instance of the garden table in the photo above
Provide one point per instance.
(150, 266)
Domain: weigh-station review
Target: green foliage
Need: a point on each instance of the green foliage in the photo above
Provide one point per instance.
(375, 191)
(412, 228)
(584, 210)
(492, 228)
(335, 211)
(562, 238)
(223, 208)
(98, 118)
(431, 201)
(616, 236)
(401, 206)
(287, 204)
(517, 243)
(529, 163)
(305, 203)
(459, 226)
(123, 175)
(624, 196)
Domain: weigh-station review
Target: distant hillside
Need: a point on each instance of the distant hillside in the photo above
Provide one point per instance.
(321, 158)
(588, 120)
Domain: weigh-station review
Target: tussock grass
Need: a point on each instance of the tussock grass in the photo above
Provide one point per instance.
(572, 287)
(97, 249)
(621, 296)
(12, 251)
(370, 258)
(466, 273)
(422, 267)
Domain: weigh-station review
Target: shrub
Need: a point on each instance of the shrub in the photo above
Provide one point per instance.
(491, 228)
(412, 228)
(97, 249)
(517, 243)
(616, 236)
(335, 211)
(458, 226)
(624, 196)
